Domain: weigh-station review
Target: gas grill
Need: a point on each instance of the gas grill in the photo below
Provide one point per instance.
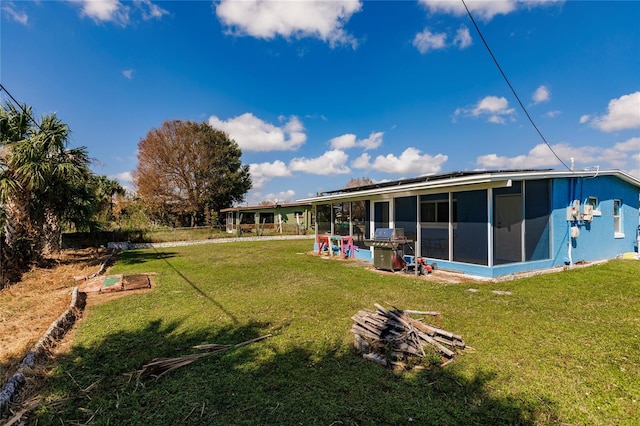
(388, 248)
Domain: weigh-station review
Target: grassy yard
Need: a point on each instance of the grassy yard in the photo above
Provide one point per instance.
(560, 349)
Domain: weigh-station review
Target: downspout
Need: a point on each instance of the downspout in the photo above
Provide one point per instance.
(418, 245)
(572, 191)
(569, 249)
(315, 221)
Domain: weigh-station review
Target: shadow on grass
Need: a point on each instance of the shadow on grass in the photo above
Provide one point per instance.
(133, 257)
(9, 368)
(265, 383)
(136, 257)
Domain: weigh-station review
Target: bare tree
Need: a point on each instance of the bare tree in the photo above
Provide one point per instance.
(186, 169)
(357, 182)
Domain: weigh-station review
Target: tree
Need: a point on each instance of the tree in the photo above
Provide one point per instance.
(16, 227)
(105, 190)
(357, 182)
(187, 168)
(129, 212)
(42, 184)
(55, 178)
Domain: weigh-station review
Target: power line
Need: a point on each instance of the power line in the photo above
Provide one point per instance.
(24, 111)
(511, 87)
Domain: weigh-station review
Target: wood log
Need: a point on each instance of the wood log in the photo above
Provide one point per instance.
(407, 348)
(408, 336)
(431, 313)
(364, 332)
(378, 359)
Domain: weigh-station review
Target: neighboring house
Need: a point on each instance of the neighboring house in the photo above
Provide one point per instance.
(280, 218)
(492, 223)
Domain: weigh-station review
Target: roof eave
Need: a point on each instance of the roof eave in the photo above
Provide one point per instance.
(489, 179)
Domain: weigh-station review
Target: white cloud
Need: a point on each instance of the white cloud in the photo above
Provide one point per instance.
(426, 41)
(128, 74)
(9, 8)
(411, 161)
(116, 12)
(462, 38)
(585, 118)
(104, 11)
(484, 10)
(491, 105)
(150, 10)
(345, 141)
(261, 173)
(124, 177)
(552, 114)
(321, 19)
(372, 142)
(618, 155)
(253, 134)
(349, 140)
(622, 113)
(635, 171)
(362, 162)
(330, 163)
(495, 110)
(287, 196)
(256, 197)
(588, 156)
(542, 94)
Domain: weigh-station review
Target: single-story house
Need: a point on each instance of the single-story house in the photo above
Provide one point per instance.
(492, 223)
(277, 217)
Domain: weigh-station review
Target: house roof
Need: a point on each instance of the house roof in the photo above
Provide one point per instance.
(266, 207)
(448, 181)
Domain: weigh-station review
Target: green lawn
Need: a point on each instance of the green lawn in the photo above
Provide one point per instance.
(561, 349)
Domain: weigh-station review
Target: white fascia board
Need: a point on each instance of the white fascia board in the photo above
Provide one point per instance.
(490, 180)
(420, 187)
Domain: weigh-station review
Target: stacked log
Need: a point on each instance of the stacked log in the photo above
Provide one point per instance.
(388, 336)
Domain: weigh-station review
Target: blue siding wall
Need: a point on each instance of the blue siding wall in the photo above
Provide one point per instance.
(596, 240)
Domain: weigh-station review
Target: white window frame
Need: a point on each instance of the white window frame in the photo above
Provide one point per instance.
(438, 223)
(595, 203)
(617, 219)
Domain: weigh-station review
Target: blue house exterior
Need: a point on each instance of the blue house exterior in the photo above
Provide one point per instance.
(492, 223)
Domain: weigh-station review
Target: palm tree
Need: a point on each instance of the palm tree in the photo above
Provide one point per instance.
(15, 128)
(42, 184)
(105, 190)
(56, 177)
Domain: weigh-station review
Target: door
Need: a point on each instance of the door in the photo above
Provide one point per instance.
(507, 229)
(381, 214)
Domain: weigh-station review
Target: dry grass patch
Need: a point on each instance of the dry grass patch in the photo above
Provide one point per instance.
(28, 308)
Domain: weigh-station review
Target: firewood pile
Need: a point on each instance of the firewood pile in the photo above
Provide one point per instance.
(394, 338)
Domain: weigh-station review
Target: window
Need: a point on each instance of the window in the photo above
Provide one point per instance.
(267, 217)
(617, 219)
(593, 202)
(428, 212)
(246, 218)
(437, 211)
(341, 218)
(323, 217)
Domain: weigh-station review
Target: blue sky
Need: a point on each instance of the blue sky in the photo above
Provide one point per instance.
(319, 92)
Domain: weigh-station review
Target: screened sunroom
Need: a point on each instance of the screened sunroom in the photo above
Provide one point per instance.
(481, 223)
